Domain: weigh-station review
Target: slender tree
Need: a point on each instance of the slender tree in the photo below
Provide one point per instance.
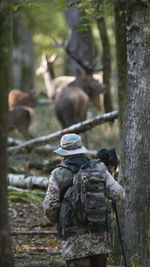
(5, 80)
(106, 63)
(23, 53)
(120, 35)
(136, 129)
(120, 32)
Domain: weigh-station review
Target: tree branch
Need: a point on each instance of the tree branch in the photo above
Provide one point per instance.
(75, 128)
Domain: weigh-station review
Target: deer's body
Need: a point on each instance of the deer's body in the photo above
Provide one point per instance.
(17, 98)
(71, 105)
(19, 118)
(71, 101)
(21, 111)
(54, 85)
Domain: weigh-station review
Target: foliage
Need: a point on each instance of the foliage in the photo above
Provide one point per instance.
(34, 4)
(43, 18)
(134, 261)
(94, 10)
(25, 3)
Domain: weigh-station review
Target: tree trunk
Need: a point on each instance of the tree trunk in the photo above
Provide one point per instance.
(23, 54)
(106, 64)
(136, 128)
(79, 41)
(120, 34)
(5, 78)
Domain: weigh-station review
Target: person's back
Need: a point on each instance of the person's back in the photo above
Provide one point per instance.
(80, 247)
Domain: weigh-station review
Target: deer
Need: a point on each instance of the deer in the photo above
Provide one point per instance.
(71, 95)
(20, 117)
(21, 111)
(17, 98)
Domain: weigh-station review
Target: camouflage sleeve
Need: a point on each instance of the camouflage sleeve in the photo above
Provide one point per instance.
(51, 202)
(114, 190)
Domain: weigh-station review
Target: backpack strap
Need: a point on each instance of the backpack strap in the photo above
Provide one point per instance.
(65, 166)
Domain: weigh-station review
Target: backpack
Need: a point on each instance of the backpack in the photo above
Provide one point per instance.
(85, 202)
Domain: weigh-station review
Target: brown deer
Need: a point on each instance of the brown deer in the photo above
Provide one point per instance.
(70, 99)
(19, 118)
(16, 97)
(21, 111)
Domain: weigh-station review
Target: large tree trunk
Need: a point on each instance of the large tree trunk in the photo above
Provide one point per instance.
(5, 64)
(136, 128)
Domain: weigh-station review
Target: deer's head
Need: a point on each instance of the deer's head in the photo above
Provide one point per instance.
(46, 64)
(89, 84)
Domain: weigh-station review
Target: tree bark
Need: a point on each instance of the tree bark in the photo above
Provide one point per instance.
(5, 78)
(76, 128)
(136, 146)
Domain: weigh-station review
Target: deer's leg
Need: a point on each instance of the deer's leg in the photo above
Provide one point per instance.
(25, 132)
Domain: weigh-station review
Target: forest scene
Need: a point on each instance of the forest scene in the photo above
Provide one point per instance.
(75, 66)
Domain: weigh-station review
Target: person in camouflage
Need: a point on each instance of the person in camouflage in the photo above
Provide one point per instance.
(81, 248)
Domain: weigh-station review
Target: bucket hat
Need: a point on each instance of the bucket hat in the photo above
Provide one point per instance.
(71, 144)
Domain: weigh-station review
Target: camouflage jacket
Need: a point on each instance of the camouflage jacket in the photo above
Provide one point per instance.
(81, 244)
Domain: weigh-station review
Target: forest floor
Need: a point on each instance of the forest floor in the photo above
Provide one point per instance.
(32, 250)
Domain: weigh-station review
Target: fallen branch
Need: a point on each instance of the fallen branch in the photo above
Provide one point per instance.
(13, 142)
(34, 252)
(55, 253)
(34, 233)
(76, 128)
(22, 181)
(44, 101)
(12, 188)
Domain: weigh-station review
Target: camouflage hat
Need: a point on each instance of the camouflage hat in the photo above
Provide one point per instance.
(71, 144)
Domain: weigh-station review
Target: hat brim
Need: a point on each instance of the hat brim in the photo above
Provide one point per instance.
(64, 152)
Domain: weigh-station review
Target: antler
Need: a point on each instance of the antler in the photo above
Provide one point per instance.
(85, 65)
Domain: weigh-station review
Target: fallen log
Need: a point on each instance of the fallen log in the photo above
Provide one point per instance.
(13, 142)
(41, 101)
(75, 128)
(27, 182)
(12, 188)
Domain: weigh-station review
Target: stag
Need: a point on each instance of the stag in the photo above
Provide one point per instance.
(67, 92)
(19, 118)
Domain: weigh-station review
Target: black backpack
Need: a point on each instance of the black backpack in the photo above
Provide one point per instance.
(85, 202)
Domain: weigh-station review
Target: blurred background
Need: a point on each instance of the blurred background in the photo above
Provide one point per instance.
(43, 28)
